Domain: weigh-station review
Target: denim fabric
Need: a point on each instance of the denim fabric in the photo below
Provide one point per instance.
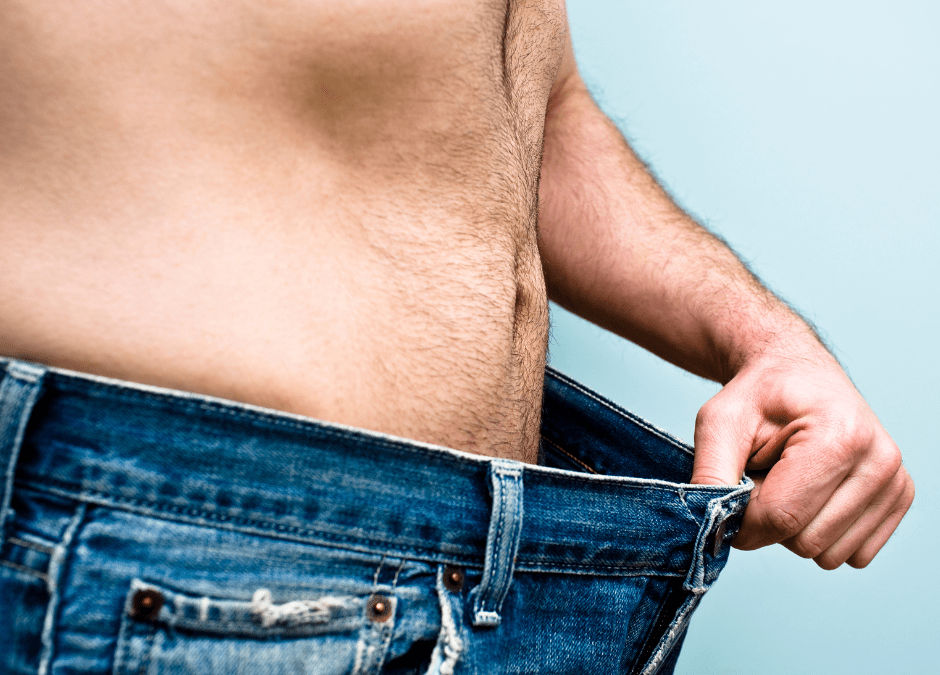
(150, 531)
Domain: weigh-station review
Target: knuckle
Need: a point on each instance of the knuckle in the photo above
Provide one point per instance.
(807, 545)
(887, 463)
(709, 413)
(713, 424)
(719, 408)
(783, 522)
(850, 433)
(838, 448)
(855, 442)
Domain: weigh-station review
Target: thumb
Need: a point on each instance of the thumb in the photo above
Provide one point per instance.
(724, 437)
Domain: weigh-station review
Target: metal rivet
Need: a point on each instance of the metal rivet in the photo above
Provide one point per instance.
(379, 608)
(453, 578)
(719, 538)
(146, 604)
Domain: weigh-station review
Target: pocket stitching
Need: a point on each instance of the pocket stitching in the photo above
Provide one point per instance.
(26, 570)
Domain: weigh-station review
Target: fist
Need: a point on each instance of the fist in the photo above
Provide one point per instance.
(830, 484)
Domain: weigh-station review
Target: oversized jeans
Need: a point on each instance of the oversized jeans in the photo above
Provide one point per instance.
(147, 531)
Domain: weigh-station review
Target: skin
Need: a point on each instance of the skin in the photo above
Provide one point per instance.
(358, 213)
(618, 251)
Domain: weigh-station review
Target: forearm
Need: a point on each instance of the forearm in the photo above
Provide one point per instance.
(617, 251)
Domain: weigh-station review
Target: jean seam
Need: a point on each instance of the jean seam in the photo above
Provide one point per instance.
(27, 570)
(42, 548)
(58, 568)
(617, 483)
(316, 537)
(682, 493)
(668, 639)
(67, 489)
(148, 651)
(192, 517)
(570, 456)
(610, 570)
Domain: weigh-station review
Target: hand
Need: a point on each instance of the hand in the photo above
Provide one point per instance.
(829, 484)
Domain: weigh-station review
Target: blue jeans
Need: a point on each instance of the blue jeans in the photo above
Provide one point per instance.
(153, 531)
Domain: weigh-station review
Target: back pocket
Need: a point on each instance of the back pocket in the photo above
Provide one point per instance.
(167, 631)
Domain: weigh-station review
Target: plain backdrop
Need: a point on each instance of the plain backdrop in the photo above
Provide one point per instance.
(806, 134)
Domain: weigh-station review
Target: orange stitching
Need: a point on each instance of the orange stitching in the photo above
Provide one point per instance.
(570, 456)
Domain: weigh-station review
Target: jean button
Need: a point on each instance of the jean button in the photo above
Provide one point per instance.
(453, 578)
(379, 608)
(146, 604)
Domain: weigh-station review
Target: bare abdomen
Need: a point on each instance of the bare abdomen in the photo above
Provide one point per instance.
(341, 227)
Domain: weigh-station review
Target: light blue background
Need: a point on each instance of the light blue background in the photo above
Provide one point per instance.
(805, 133)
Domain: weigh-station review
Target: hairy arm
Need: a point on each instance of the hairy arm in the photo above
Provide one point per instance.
(617, 251)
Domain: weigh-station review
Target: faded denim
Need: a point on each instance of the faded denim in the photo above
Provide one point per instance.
(149, 531)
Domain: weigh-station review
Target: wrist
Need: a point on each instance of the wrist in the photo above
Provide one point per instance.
(770, 336)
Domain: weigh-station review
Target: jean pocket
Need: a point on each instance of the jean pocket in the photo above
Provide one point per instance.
(168, 631)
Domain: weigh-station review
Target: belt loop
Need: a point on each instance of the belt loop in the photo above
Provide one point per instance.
(18, 395)
(722, 519)
(502, 542)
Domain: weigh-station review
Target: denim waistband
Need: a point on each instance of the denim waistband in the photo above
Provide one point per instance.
(610, 496)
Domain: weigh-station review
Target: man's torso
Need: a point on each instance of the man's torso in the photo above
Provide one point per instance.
(326, 208)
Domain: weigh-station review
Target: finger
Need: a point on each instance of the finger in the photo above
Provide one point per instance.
(758, 479)
(871, 488)
(793, 492)
(723, 440)
(870, 548)
(829, 554)
(884, 507)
